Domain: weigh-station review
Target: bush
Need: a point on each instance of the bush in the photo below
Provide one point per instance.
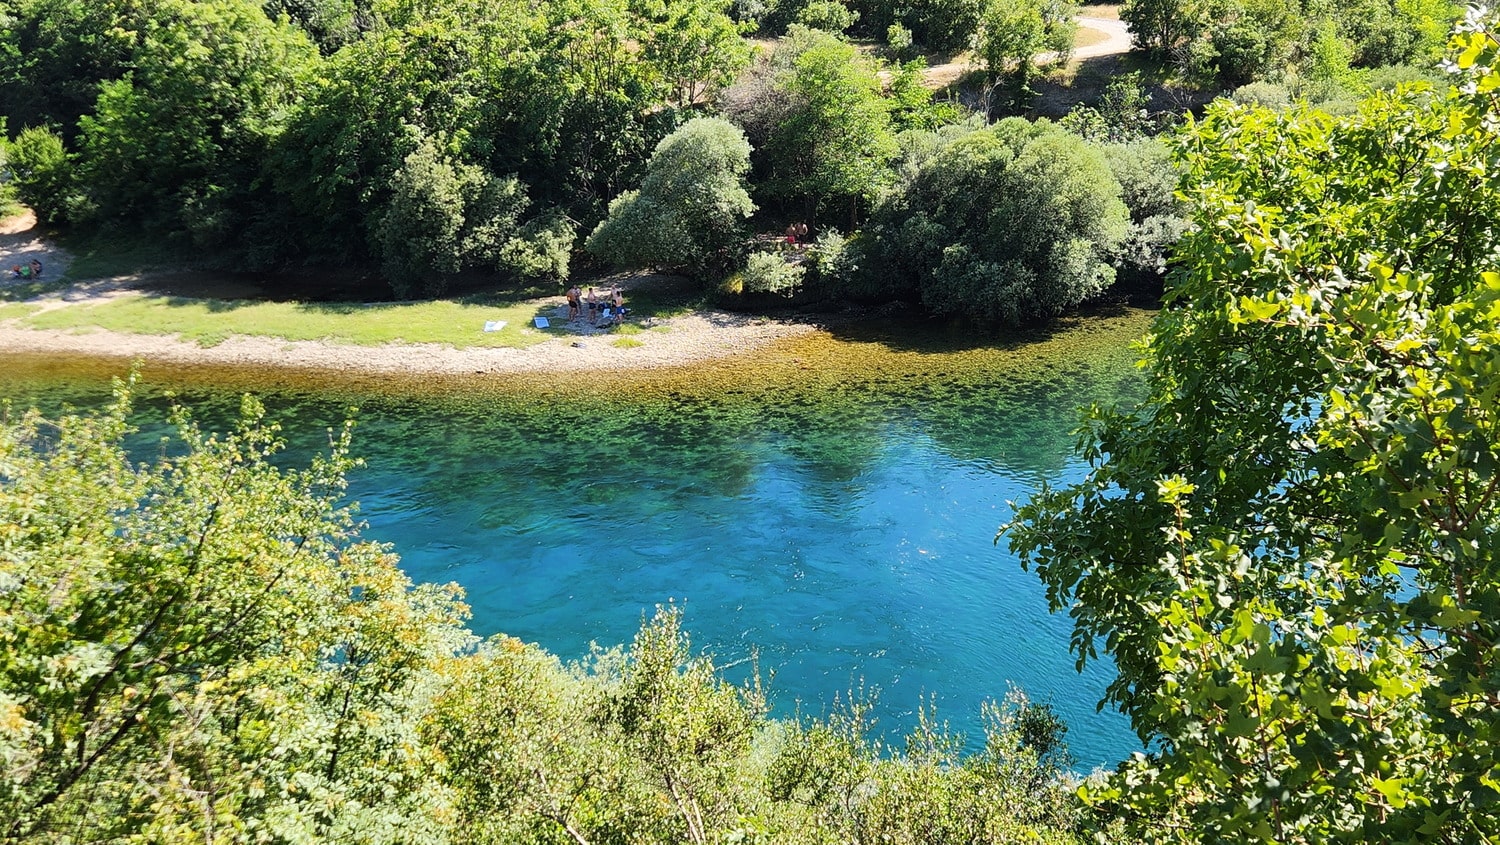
(768, 272)
(446, 218)
(898, 38)
(1148, 183)
(40, 167)
(1010, 224)
(827, 15)
(690, 211)
(1148, 178)
(1266, 94)
(830, 260)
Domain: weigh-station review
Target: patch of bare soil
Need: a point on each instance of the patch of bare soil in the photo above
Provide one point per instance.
(676, 341)
(21, 242)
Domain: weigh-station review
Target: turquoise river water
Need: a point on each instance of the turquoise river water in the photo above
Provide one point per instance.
(830, 504)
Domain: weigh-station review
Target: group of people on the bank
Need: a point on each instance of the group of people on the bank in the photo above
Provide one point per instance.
(608, 310)
(32, 270)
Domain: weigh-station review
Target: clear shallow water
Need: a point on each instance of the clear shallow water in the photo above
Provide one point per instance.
(831, 504)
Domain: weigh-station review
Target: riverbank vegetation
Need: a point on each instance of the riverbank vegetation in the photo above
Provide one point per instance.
(201, 646)
(1289, 549)
(467, 145)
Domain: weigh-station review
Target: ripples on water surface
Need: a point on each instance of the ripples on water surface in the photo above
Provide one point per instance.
(831, 503)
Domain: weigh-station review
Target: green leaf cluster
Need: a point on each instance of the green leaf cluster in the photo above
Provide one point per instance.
(1288, 550)
(1008, 224)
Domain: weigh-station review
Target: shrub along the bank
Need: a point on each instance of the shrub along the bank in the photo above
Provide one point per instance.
(689, 213)
(1009, 224)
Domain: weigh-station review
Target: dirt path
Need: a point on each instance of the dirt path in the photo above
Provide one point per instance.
(1116, 40)
(21, 242)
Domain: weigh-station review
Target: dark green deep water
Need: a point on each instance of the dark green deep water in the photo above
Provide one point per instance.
(831, 502)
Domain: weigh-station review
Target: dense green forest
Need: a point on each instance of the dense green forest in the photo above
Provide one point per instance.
(504, 145)
(1288, 550)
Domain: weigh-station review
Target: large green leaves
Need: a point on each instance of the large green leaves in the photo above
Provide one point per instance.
(1289, 549)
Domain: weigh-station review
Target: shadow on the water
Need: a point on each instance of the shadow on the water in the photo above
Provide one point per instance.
(927, 334)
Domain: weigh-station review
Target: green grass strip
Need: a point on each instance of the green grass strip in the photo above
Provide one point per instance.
(210, 322)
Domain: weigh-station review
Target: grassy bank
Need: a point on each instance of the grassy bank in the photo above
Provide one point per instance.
(209, 322)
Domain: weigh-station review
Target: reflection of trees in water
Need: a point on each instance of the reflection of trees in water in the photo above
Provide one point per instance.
(1025, 427)
(709, 435)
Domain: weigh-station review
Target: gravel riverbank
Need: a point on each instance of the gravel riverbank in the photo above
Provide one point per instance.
(676, 341)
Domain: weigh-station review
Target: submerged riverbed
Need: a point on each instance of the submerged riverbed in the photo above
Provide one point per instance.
(829, 503)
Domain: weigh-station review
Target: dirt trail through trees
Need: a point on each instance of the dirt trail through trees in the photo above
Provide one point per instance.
(1117, 41)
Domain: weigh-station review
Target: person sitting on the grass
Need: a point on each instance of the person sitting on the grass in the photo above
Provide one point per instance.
(36, 269)
(26, 272)
(15, 271)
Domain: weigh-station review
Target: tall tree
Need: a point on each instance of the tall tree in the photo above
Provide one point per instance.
(690, 211)
(174, 146)
(1014, 33)
(833, 140)
(1289, 550)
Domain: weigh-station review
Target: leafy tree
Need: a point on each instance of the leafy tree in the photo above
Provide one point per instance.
(1013, 33)
(446, 218)
(910, 100)
(198, 644)
(1158, 27)
(690, 210)
(55, 54)
(173, 147)
(694, 47)
(1248, 39)
(1288, 550)
(39, 165)
(1010, 224)
(828, 15)
(827, 129)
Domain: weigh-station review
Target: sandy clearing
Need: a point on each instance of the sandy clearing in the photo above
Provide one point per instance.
(21, 241)
(668, 342)
(688, 339)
